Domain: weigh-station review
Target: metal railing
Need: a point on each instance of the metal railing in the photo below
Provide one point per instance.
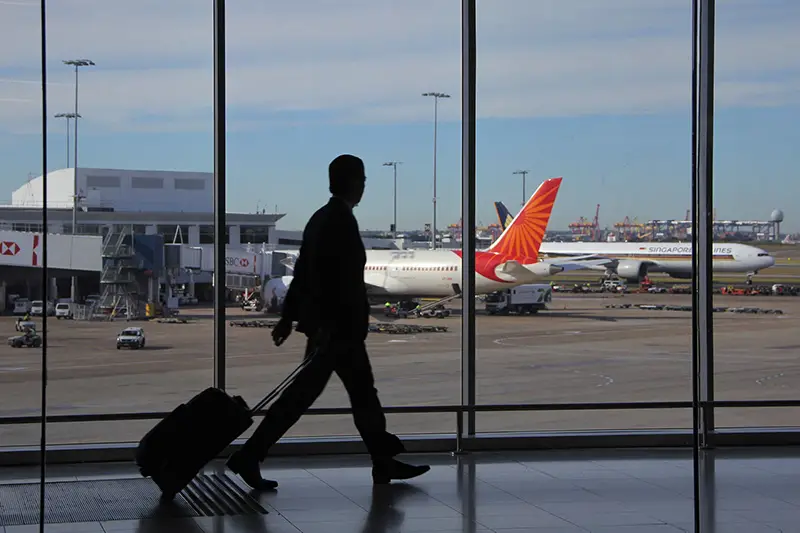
(434, 409)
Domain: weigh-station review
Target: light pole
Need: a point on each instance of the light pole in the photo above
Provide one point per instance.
(77, 63)
(523, 173)
(68, 116)
(436, 97)
(394, 164)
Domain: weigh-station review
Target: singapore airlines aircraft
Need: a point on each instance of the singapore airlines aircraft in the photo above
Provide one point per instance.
(633, 260)
(513, 259)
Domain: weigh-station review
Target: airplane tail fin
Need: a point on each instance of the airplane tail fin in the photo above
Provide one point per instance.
(523, 236)
(503, 214)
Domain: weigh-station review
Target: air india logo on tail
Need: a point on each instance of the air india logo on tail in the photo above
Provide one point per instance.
(520, 241)
(523, 237)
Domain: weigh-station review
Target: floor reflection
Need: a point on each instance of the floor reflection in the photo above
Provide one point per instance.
(631, 491)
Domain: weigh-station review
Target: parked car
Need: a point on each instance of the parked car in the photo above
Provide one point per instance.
(38, 308)
(63, 310)
(22, 306)
(131, 338)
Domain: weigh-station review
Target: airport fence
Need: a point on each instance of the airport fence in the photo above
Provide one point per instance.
(84, 312)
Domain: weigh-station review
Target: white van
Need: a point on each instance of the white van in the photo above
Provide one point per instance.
(22, 306)
(63, 310)
(38, 308)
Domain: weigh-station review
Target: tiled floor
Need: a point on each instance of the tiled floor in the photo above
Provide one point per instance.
(647, 491)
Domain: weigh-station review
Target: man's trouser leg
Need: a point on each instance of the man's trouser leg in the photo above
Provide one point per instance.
(354, 369)
(295, 400)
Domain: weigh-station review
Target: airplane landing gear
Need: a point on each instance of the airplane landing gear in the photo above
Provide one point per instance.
(750, 277)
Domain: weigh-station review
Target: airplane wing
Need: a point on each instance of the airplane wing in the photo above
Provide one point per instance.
(587, 262)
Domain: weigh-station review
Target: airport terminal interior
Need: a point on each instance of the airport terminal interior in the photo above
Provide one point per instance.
(635, 388)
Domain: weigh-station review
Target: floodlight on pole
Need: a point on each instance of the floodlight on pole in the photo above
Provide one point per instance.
(523, 173)
(394, 164)
(77, 63)
(67, 116)
(436, 96)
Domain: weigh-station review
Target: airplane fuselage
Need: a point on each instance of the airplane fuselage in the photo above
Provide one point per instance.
(433, 273)
(672, 258)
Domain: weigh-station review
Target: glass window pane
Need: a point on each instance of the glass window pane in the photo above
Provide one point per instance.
(22, 214)
(353, 84)
(144, 108)
(755, 123)
(583, 142)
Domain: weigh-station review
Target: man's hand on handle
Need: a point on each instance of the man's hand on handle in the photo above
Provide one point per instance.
(281, 331)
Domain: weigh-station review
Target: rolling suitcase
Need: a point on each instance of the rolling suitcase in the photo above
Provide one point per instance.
(196, 432)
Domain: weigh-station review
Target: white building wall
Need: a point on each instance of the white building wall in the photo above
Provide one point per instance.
(123, 190)
(234, 235)
(193, 235)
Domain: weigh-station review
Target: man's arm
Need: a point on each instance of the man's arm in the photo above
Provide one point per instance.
(294, 295)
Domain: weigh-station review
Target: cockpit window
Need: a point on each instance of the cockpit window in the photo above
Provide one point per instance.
(763, 255)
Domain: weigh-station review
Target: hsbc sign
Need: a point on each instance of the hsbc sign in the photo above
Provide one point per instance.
(20, 248)
(242, 262)
(245, 263)
(9, 248)
(24, 249)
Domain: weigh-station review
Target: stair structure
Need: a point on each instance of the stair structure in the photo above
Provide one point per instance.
(119, 279)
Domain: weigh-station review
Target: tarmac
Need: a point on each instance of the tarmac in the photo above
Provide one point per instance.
(577, 351)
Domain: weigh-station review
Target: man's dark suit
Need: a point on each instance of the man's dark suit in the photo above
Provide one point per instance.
(328, 298)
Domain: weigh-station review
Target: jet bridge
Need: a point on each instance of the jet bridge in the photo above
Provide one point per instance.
(80, 253)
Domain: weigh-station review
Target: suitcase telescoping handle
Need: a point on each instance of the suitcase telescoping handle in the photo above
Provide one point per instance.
(283, 384)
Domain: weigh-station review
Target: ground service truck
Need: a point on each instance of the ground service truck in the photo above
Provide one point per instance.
(519, 300)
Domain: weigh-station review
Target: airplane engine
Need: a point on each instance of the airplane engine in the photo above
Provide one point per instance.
(632, 271)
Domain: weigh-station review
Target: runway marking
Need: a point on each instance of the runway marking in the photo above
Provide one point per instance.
(607, 380)
(762, 381)
(502, 340)
(397, 340)
(14, 369)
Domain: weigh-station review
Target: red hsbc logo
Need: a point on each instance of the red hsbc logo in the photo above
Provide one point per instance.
(35, 256)
(9, 248)
(241, 262)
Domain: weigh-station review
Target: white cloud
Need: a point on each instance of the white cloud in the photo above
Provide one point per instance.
(369, 60)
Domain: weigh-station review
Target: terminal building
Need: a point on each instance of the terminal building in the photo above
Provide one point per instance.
(123, 204)
(176, 205)
(119, 206)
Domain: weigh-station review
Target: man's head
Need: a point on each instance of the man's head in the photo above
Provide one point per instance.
(347, 179)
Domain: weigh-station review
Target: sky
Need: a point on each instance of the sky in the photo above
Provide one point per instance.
(598, 92)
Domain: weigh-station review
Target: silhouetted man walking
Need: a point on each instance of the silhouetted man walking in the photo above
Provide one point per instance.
(328, 300)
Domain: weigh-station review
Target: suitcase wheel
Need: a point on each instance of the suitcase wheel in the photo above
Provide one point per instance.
(167, 497)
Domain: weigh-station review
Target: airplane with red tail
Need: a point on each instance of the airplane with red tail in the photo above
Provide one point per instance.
(513, 259)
